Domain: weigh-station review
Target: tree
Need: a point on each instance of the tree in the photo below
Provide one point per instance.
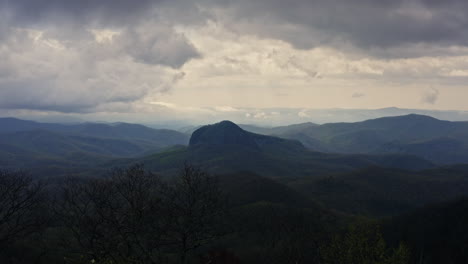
(22, 207)
(117, 219)
(134, 217)
(362, 244)
(400, 255)
(196, 207)
(279, 233)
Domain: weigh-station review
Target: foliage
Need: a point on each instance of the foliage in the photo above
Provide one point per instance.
(362, 244)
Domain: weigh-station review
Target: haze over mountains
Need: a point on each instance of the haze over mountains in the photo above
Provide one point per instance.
(264, 117)
(442, 142)
(29, 143)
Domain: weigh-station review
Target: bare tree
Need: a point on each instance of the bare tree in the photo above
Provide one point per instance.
(22, 203)
(196, 207)
(133, 217)
(116, 219)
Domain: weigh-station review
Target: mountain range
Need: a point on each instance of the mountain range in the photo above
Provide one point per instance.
(442, 142)
(226, 148)
(321, 162)
(405, 142)
(27, 144)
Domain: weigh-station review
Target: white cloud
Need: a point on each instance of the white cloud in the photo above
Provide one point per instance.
(41, 72)
(165, 104)
(226, 109)
(303, 114)
(260, 115)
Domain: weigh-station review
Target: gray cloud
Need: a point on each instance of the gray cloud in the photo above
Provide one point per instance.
(52, 59)
(157, 45)
(42, 73)
(358, 95)
(103, 11)
(430, 96)
(373, 26)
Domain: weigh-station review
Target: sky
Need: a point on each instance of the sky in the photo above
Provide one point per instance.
(162, 60)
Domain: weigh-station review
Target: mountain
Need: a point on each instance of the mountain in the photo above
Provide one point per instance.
(223, 133)
(32, 145)
(10, 125)
(263, 130)
(162, 137)
(440, 141)
(226, 133)
(226, 148)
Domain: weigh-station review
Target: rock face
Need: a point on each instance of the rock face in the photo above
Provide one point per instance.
(223, 133)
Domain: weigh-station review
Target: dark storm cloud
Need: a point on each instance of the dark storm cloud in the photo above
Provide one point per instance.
(363, 23)
(368, 24)
(95, 10)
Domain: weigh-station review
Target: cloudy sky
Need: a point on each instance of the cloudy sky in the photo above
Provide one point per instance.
(186, 59)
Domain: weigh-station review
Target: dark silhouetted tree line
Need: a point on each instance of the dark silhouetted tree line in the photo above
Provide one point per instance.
(134, 216)
(23, 211)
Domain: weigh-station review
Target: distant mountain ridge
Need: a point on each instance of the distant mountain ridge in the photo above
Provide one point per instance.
(443, 142)
(113, 130)
(27, 144)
